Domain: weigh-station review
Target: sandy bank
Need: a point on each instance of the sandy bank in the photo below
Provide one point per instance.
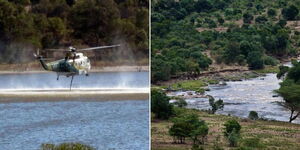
(74, 95)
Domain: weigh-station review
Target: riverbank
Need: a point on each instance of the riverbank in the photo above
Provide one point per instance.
(43, 96)
(99, 69)
(200, 82)
(270, 134)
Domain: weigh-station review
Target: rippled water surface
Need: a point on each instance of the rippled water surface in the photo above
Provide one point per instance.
(94, 80)
(103, 125)
(241, 97)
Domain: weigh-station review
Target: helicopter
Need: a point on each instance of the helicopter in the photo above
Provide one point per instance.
(74, 63)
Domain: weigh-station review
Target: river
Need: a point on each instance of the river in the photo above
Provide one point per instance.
(103, 124)
(241, 97)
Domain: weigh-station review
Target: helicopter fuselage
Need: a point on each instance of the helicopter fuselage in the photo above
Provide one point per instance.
(69, 67)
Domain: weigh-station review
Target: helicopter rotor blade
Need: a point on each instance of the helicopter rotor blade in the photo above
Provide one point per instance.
(99, 47)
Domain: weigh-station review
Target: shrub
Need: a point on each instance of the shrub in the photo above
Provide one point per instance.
(66, 146)
(230, 126)
(188, 125)
(180, 102)
(253, 115)
(232, 132)
(215, 105)
(233, 138)
(160, 105)
(271, 12)
(290, 12)
(268, 60)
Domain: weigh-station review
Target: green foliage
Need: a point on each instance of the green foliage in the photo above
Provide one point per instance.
(282, 71)
(177, 46)
(180, 102)
(59, 23)
(253, 115)
(232, 132)
(160, 105)
(215, 105)
(254, 142)
(272, 12)
(230, 126)
(290, 89)
(188, 125)
(290, 12)
(247, 17)
(66, 146)
(268, 60)
(233, 138)
(255, 60)
(261, 19)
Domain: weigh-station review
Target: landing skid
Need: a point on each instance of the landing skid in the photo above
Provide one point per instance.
(71, 83)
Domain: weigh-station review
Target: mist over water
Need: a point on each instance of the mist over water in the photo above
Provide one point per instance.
(101, 80)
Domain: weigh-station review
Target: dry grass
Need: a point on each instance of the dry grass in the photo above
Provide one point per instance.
(272, 134)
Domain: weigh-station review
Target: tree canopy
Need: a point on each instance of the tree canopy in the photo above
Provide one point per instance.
(61, 23)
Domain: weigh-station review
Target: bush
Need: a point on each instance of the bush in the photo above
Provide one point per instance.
(290, 12)
(255, 60)
(232, 132)
(160, 105)
(66, 146)
(233, 138)
(180, 102)
(261, 19)
(215, 105)
(271, 12)
(268, 60)
(188, 125)
(231, 125)
(253, 115)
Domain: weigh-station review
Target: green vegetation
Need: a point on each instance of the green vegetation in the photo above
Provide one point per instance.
(290, 89)
(215, 105)
(27, 25)
(232, 132)
(253, 115)
(66, 146)
(188, 126)
(160, 105)
(258, 134)
(188, 35)
(189, 85)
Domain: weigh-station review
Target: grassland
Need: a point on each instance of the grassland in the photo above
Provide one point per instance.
(255, 134)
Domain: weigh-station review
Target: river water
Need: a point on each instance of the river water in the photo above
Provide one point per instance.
(241, 97)
(119, 124)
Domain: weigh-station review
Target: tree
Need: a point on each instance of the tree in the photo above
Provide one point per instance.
(160, 105)
(232, 132)
(290, 12)
(188, 125)
(272, 12)
(261, 19)
(255, 60)
(101, 23)
(215, 105)
(247, 18)
(290, 88)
